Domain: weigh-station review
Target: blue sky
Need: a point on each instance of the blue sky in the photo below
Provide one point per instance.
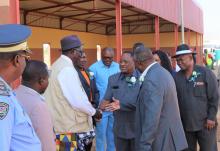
(211, 13)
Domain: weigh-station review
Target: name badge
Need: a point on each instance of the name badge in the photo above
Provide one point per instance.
(199, 83)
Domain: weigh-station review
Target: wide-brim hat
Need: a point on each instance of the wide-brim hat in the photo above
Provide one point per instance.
(13, 37)
(183, 49)
(70, 42)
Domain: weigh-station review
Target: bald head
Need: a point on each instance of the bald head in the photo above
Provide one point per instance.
(138, 45)
(107, 56)
(142, 54)
(36, 76)
(143, 57)
(34, 70)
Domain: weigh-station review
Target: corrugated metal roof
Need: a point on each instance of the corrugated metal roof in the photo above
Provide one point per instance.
(98, 16)
(170, 10)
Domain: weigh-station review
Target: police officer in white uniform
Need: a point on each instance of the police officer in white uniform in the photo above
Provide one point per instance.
(16, 130)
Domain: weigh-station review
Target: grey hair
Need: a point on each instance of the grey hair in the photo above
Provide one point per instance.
(142, 54)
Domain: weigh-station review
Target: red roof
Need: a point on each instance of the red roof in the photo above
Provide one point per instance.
(170, 10)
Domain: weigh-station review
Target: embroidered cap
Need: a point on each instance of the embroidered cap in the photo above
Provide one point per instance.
(182, 50)
(13, 37)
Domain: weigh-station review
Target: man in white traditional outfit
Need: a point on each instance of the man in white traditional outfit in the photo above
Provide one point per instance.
(71, 110)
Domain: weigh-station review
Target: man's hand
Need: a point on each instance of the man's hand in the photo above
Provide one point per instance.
(115, 105)
(98, 115)
(210, 124)
(103, 104)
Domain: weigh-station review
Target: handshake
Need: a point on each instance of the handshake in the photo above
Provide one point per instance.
(111, 106)
(106, 105)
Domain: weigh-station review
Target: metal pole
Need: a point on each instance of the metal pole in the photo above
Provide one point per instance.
(118, 29)
(157, 32)
(182, 22)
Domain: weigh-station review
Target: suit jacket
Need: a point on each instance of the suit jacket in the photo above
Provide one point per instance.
(92, 88)
(126, 93)
(39, 114)
(158, 123)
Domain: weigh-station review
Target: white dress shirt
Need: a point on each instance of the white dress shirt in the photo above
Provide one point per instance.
(72, 89)
(146, 70)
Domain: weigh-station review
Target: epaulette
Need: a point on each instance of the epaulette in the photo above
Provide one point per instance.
(4, 91)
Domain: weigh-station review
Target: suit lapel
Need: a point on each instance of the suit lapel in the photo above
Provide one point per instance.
(82, 78)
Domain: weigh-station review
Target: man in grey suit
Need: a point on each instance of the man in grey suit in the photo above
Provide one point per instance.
(124, 88)
(158, 123)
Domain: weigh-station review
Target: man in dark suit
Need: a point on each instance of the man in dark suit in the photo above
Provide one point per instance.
(89, 85)
(123, 87)
(88, 80)
(198, 97)
(158, 123)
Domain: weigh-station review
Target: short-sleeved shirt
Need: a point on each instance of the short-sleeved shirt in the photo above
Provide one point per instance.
(16, 130)
(102, 73)
(198, 97)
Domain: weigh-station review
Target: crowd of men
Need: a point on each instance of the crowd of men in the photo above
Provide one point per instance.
(134, 105)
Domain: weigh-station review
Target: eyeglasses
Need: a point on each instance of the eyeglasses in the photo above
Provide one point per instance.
(78, 50)
(27, 57)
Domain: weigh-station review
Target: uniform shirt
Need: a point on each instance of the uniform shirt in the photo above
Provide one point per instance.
(33, 103)
(198, 97)
(126, 91)
(16, 130)
(101, 74)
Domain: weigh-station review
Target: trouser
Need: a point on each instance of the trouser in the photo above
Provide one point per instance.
(205, 138)
(74, 141)
(66, 142)
(88, 147)
(104, 133)
(123, 144)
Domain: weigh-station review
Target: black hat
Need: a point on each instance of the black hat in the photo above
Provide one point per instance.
(70, 42)
(13, 37)
(182, 50)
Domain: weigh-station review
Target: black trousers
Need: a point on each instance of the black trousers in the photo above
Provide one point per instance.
(88, 147)
(124, 144)
(206, 139)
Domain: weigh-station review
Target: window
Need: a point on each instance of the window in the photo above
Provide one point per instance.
(98, 47)
(46, 54)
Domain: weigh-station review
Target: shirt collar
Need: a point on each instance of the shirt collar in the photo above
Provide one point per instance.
(146, 70)
(5, 89)
(67, 59)
(33, 91)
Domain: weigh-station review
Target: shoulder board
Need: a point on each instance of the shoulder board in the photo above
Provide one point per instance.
(4, 88)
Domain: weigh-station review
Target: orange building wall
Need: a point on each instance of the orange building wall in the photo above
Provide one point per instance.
(52, 36)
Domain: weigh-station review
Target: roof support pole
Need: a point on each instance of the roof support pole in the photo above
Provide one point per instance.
(25, 17)
(182, 21)
(118, 29)
(201, 48)
(157, 32)
(188, 36)
(10, 14)
(176, 37)
(197, 50)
